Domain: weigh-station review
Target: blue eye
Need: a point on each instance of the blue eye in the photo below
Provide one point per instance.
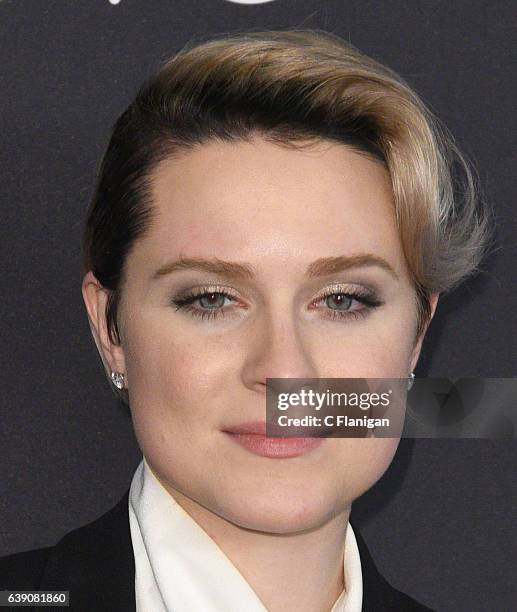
(339, 301)
(212, 300)
(339, 304)
(211, 303)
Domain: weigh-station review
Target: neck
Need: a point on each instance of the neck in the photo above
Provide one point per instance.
(297, 571)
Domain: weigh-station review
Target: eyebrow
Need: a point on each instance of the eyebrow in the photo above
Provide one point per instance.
(244, 271)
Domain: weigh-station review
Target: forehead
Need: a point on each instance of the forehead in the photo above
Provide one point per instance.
(251, 199)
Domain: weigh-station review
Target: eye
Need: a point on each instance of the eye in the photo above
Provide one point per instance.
(339, 301)
(352, 304)
(210, 302)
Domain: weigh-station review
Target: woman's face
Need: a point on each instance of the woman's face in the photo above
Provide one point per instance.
(268, 231)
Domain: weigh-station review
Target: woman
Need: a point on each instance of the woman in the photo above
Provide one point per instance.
(271, 205)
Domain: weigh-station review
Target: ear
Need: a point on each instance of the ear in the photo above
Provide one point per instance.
(433, 301)
(95, 298)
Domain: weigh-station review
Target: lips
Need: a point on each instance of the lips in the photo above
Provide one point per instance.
(255, 427)
(252, 437)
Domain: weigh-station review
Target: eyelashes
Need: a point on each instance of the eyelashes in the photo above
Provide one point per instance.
(212, 303)
(338, 303)
(209, 299)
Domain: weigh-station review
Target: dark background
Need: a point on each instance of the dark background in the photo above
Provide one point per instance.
(441, 523)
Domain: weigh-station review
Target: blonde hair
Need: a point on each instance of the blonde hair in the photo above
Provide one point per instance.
(290, 86)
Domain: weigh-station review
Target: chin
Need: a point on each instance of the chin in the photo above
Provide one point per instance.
(284, 508)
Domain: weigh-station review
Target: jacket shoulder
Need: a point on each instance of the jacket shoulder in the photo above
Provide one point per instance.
(94, 563)
(23, 571)
(378, 594)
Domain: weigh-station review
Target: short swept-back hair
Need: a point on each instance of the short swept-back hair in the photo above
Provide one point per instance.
(290, 86)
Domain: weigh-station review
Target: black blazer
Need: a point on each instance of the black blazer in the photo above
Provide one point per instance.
(96, 564)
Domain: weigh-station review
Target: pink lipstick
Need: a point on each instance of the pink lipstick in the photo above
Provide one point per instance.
(252, 436)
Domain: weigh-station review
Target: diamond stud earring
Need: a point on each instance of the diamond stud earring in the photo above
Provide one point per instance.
(410, 381)
(118, 379)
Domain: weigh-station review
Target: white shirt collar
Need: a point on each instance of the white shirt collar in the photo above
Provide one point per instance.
(180, 568)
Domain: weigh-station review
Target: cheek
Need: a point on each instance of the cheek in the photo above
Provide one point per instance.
(379, 348)
(173, 382)
(173, 374)
(363, 461)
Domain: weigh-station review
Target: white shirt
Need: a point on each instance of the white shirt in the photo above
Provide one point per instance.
(180, 568)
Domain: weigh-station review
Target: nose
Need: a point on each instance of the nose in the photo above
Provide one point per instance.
(277, 348)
